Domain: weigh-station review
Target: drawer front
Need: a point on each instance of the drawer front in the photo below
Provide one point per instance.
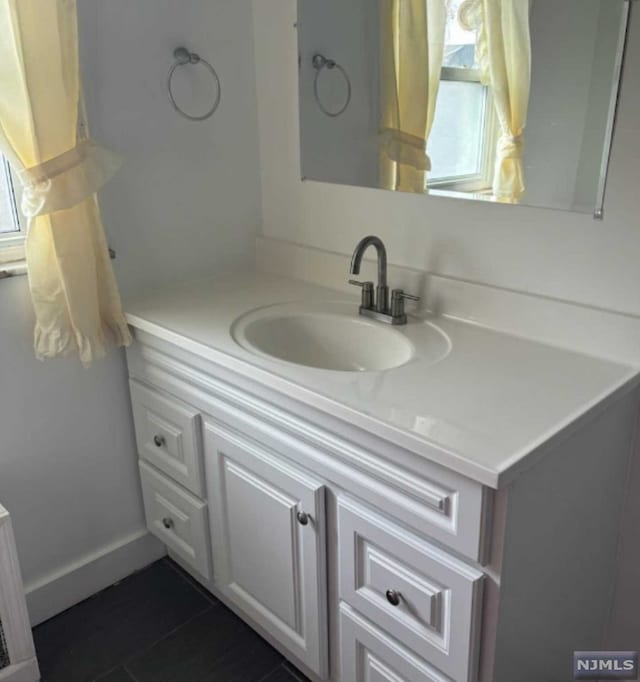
(415, 591)
(177, 518)
(168, 436)
(369, 655)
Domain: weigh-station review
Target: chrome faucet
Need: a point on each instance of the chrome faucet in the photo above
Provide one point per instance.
(382, 290)
(377, 307)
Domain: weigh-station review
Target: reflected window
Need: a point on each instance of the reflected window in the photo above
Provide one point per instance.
(463, 138)
(8, 212)
(11, 234)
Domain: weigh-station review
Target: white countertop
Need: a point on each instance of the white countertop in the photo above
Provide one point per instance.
(483, 411)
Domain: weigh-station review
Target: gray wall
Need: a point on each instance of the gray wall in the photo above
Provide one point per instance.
(343, 148)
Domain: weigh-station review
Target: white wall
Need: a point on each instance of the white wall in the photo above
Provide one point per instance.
(553, 253)
(67, 457)
(562, 255)
(187, 202)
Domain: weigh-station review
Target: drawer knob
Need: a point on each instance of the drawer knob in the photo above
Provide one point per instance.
(159, 441)
(303, 518)
(393, 597)
(167, 523)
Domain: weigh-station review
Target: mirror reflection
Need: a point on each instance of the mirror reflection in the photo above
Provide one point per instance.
(511, 101)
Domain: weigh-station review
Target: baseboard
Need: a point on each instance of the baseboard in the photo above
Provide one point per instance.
(27, 671)
(90, 574)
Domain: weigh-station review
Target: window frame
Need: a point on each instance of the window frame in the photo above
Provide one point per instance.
(12, 243)
(482, 181)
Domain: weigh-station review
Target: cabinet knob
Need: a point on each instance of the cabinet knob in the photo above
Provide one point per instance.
(167, 523)
(303, 518)
(393, 597)
(159, 441)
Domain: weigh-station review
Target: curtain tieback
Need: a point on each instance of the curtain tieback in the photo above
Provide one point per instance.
(511, 146)
(405, 148)
(68, 179)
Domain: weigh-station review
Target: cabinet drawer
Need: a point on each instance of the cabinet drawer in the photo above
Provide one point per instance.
(176, 517)
(419, 594)
(369, 655)
(168, 436)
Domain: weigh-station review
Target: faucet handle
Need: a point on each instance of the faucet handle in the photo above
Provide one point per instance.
(367, 293)
(399, 294)
(397, 303)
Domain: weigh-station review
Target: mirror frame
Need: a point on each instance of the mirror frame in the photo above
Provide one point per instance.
(598, 213)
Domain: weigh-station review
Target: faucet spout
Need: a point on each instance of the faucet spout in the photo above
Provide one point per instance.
(382, 290)
(358, 254)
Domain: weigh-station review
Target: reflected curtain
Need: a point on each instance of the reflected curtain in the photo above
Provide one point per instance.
(504, 55)
(75, 298)
(412, 49)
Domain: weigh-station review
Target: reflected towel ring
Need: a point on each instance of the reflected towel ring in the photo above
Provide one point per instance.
(183, 57)
(319, 63)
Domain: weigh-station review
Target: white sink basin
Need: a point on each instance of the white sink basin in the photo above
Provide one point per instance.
(329, 336)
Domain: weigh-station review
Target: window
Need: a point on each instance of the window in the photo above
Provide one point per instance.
(464, 134)
(11, 234)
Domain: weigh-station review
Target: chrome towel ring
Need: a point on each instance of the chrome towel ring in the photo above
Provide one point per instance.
(183, 58)
(320, 62)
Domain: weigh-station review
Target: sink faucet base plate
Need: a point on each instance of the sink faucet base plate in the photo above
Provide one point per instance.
(383, 317)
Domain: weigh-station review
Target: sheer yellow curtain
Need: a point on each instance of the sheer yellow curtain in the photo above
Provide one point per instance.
(412, 48)
(75, 298)
(504, 51)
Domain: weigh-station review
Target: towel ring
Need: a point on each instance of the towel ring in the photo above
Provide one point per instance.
(320, 62)
(183, 57)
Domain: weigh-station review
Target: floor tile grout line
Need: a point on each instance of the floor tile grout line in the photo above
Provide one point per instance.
(213, 606)
(123, 664)
(209, 605)
(130, 674)
(101, 676)
(290, 668)
(147, 648)
(176, 568)
(214, 601)
(112, 670)
(266, 677)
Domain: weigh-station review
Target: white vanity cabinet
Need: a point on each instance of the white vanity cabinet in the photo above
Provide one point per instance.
(299, 520)
(356, 558)
(269, 527)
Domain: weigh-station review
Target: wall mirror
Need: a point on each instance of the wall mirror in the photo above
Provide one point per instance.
(510, 101)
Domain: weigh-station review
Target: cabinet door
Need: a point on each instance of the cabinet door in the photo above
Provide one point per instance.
(268, 530)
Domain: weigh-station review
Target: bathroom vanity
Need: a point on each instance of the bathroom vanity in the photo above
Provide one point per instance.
(434, 502)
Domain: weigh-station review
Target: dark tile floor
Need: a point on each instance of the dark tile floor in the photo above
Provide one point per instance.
(158, 625)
